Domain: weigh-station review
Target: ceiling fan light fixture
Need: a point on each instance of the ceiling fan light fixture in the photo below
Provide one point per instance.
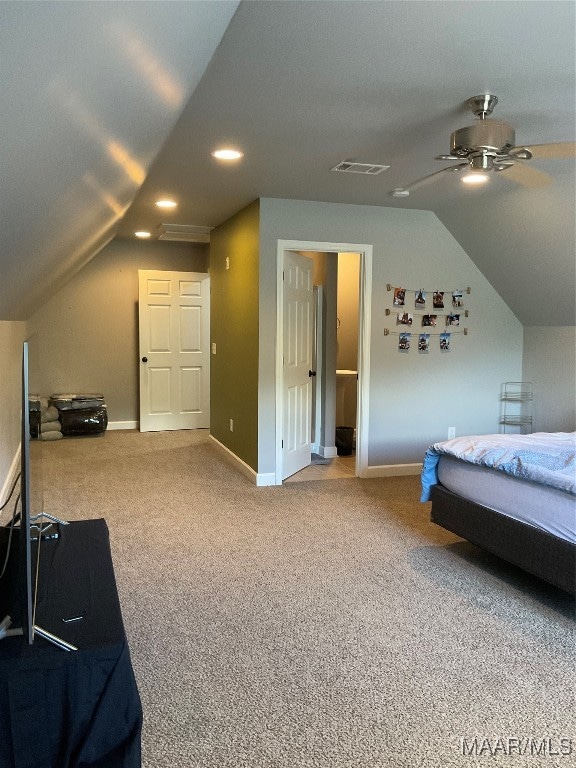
(475, 177)
(492, 136)
(489, 146)
(501, 165)
(521, 154)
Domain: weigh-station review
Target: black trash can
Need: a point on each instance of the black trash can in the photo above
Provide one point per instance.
(344, 440)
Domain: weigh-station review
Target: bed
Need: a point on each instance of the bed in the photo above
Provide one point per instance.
(512, 495)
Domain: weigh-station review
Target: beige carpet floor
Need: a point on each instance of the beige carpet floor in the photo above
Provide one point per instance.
(321, 624)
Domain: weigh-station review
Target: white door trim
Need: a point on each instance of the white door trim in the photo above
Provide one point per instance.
(364, 336)
(318, 293)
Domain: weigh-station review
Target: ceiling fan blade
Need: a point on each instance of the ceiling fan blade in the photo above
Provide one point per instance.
(552, 151)
(401, 191)
(527, 176)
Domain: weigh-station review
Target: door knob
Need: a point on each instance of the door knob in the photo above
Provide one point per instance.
(144, 359)
(311, 373)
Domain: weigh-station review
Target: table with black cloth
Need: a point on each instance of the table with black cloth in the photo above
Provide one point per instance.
(72, 709)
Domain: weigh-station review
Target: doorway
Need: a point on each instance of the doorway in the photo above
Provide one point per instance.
(347, 332)
(325, 442)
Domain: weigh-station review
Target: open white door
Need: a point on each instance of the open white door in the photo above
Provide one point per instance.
(297, 367)
(174, 325)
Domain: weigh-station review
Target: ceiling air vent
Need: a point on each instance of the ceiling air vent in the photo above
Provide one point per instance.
(368, 169)
(184, 233)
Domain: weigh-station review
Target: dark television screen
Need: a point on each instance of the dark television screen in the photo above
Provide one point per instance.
(35, 524)
(31, 489)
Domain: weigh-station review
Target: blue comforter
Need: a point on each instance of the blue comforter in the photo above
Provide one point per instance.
(548, 458)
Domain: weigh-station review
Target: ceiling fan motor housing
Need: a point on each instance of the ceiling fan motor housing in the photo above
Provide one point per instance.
(493, 136)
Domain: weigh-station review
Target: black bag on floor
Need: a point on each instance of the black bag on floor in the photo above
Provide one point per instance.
(344, 440)
(84, 421)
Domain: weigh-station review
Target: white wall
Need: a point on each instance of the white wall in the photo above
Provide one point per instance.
(413, 398)
(550, 364)
(12, 334)
(87, 333)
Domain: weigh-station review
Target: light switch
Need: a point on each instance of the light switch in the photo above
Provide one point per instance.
(213, 347)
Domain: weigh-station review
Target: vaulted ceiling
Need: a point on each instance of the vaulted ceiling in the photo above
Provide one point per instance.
(109, 105)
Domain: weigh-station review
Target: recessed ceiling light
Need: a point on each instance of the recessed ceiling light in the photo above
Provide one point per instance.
(142, 234)
(166, 203)
(475, 178)
(227, 154)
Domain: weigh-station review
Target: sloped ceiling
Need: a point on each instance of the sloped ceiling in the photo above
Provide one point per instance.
(89, 92)
(298, 86)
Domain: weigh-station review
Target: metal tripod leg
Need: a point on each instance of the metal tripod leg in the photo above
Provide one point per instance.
(57, 641)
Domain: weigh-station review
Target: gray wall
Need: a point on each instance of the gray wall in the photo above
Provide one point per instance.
(413, 398)
(12, 334)
(550, 364)
(87, 333)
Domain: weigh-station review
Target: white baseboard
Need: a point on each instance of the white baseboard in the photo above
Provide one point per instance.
(10, 477)
(265, 479)
(123, 425)
(327, 451)
(259, 479)
(392, 470)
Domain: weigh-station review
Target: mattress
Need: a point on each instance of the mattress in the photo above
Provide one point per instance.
(548, 509)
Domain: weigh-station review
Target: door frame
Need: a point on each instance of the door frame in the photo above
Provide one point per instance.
(364, 336)
(317, 362)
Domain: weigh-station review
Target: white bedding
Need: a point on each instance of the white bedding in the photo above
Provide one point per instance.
(548, 458)
(546, 508)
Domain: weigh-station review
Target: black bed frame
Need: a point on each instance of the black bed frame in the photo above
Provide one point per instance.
(538, 552)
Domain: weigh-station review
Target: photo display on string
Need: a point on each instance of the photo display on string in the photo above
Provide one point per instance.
(427, 309)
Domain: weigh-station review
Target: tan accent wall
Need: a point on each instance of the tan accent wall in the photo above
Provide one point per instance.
(234, 331)
(347, 309)
(87, 333)
(347, 351)
(12, 334)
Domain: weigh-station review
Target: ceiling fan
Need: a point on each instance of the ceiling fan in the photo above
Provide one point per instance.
(489, 146)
